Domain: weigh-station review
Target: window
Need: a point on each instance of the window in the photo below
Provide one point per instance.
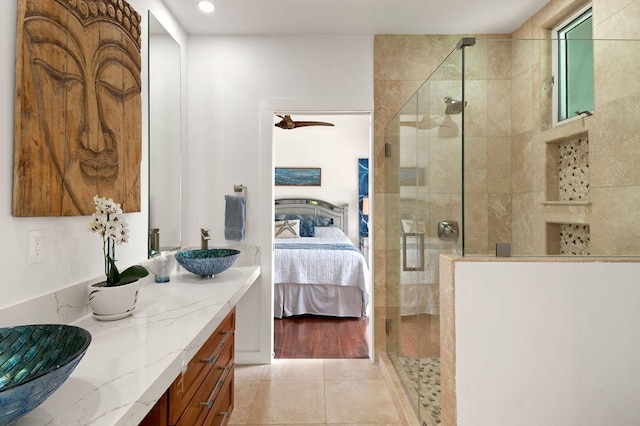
(573, 66)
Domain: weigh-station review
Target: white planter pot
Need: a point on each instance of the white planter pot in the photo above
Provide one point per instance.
(112, 303)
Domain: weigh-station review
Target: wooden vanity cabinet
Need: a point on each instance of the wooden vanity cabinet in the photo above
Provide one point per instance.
(203, 394)
(158, 416)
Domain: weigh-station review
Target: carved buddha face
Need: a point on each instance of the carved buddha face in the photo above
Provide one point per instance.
(84, 72)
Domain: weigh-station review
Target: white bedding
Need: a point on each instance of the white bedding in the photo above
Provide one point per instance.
(420, 290)
(320, 281)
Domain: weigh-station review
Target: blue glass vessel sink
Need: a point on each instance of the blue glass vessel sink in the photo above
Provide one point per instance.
(34, 361)
(207, 262)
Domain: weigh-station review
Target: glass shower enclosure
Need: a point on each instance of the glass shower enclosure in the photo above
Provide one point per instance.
(477, 157)
(423, 170)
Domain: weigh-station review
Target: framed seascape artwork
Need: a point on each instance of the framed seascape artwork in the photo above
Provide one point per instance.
(298, 176)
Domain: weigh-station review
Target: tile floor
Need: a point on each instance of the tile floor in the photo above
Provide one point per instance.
(320, 391)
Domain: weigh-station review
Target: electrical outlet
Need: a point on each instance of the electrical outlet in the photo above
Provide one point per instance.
(36, 247)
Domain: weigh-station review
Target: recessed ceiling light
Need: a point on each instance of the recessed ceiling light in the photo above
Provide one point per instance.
(206, 6)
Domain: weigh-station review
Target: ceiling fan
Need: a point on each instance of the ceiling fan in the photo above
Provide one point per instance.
(288, 123)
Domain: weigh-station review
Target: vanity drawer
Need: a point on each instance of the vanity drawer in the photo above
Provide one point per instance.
(221, 410)
(217, 351)
(213, 402)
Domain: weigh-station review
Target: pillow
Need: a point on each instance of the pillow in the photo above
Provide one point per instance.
(287, 229)
(317, 220)
(411, 226)
(307, 228)
(322, 221)
(307, 225)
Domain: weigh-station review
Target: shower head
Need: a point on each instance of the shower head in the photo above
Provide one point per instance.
(453, 106)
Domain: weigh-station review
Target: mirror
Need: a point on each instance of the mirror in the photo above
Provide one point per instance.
(164, 139)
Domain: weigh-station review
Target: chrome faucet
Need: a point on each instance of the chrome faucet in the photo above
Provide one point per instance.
(204, 238)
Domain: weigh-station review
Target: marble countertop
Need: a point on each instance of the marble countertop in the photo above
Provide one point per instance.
(132, 361)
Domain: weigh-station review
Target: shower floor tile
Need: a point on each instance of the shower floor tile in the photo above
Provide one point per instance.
(422, 379)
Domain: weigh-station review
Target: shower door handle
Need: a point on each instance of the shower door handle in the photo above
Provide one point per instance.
(420, 240)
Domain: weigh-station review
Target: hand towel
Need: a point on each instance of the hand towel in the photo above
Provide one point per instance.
(234, 217)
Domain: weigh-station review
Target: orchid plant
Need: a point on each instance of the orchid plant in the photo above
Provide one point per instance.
(108, 222)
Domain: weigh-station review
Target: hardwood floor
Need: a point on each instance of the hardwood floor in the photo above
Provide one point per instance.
(309, 336)
(420, 336)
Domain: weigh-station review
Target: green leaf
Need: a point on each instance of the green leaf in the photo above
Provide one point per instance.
(131, 274)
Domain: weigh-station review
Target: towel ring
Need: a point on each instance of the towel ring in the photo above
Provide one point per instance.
(240, 188)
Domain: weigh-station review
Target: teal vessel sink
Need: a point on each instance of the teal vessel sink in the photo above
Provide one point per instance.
(34, 361)
(207, 262)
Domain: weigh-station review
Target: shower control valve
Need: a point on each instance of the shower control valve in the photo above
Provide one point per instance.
(448, 230)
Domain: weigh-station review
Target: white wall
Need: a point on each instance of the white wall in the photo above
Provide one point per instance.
(72, 253)
(335, 150)
(232, 82)
(235, 86)
(553, 343)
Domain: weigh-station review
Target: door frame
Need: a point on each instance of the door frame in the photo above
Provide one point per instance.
(268, 109)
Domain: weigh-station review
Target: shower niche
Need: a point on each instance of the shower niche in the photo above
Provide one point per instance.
(568, 170)
(567, 195)
(568, 239)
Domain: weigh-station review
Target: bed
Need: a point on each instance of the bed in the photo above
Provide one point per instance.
(324, 274)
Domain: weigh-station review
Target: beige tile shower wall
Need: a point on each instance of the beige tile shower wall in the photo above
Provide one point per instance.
(614, 142)
(509, 93)
(488, 146)
(401, 64)
(614, 132)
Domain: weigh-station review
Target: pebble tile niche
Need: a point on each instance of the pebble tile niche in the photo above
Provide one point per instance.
(574, 239)
(573, 185)
(573, 169)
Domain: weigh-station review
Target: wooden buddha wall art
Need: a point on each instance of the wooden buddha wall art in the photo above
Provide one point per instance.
(77, 124)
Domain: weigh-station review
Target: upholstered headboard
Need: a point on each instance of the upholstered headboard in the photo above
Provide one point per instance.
(313, 207)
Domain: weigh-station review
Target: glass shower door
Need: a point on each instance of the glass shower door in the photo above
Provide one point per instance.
(423, 221)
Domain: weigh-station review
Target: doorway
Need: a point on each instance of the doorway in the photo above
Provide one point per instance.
(336, 147)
